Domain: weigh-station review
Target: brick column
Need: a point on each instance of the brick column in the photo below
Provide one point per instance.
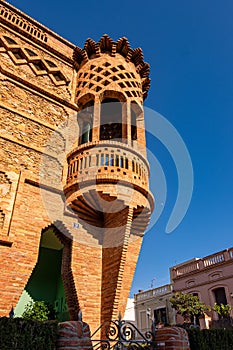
(74, 335)
(172, 338)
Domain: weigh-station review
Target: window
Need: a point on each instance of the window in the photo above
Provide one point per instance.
(143, 322)
(220, 295)
(160, 315)
(86, 136)
(85, 120)
(111, 119)
(133, 126)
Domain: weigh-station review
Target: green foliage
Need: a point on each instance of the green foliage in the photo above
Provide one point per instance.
(23, 334)
(222, 310)
(210, 339)
(39, 310)
(188, 305)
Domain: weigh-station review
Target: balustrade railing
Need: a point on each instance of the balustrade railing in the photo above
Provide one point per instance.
(212, 260)
(107, 159)
(154, 292)
(203, 263)
(23, 24)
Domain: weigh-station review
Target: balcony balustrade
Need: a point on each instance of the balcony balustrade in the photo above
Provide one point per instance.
(107, 160)
(204, 263)
(154, 292)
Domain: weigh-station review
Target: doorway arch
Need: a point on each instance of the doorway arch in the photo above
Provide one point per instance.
(51, 279)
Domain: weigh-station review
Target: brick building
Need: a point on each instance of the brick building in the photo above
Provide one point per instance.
(74, 190)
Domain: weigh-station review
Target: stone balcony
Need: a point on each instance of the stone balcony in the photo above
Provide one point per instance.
(197, 265)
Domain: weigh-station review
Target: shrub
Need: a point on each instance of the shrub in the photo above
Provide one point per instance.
(25, 334)
(210, 339)
(39, 310)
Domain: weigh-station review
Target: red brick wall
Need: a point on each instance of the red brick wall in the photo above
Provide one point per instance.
(33, 105)
(172, 338)
(74, 335)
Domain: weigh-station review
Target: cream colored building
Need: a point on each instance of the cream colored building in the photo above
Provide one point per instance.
(154, 305)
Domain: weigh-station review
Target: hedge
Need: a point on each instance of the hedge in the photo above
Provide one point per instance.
(24, 334)
(210, 339)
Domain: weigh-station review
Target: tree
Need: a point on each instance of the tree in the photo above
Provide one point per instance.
(222, 310)
(39, 310)
(188, 306)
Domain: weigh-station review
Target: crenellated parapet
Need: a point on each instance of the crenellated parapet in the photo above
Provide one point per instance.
(106, 46)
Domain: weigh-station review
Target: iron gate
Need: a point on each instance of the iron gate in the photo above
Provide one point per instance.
(122, 335)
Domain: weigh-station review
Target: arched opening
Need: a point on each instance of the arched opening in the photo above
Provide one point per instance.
(45, 283)
(111, 119)
(133, 125)
(136, 113)
(87, 132)
(85, 120)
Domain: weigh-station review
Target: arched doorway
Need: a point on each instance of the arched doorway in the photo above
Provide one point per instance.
(45, 283)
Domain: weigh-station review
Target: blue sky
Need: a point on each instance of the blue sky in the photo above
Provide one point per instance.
(189, 46)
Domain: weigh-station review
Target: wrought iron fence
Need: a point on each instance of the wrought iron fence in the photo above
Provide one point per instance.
(122, 335)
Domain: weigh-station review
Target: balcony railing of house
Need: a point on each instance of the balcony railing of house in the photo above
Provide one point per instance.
(154, 292)
(203, 263)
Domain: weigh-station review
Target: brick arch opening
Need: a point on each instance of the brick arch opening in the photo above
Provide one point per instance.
(85, 121)
(85, 99)
(66, 272)
(136, 112)
(111, 119)
(51, 279)
(113, 94)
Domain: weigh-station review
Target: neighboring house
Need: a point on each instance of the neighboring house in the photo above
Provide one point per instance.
(154, 305)
(211, 278)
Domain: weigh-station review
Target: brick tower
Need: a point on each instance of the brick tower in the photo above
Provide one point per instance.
(75, 198)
